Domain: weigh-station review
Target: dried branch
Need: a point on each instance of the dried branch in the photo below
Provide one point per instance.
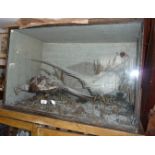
(63, 70)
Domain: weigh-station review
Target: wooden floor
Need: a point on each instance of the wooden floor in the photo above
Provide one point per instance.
(45, 126)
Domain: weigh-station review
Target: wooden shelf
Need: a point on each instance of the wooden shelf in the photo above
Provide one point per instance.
(2, 62)
(42, 125)
(3, 55)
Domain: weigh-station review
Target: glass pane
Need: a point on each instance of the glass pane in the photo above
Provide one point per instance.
(87, 74)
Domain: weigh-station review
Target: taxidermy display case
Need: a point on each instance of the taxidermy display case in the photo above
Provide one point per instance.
(82, 73)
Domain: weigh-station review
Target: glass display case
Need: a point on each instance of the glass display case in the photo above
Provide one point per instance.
(82, 73)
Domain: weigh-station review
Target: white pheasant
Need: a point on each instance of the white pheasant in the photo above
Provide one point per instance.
(106, 82)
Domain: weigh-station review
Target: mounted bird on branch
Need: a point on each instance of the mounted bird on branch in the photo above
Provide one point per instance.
(105, 82)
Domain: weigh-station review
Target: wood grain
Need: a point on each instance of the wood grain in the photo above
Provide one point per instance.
(42, 120)
(16, 123)
(3, 55)
(51, 132)
(35, 22)
(148, 75)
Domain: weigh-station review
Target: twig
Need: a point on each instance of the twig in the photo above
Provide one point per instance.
(63, 70)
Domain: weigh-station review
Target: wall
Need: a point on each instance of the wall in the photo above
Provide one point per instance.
(20, 68)
(69, 54)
